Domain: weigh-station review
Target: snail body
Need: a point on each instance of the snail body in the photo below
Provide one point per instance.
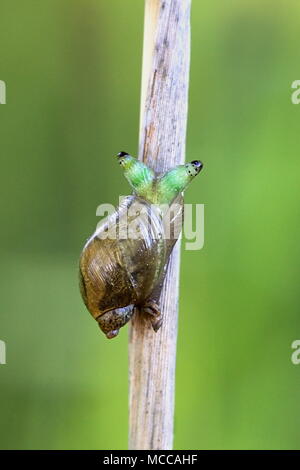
(123, 264)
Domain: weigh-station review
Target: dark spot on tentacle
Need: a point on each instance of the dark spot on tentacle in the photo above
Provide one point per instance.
(197, 165)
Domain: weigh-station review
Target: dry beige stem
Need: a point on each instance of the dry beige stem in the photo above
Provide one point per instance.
(164, 100)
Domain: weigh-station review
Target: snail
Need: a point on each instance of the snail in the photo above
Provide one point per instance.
(120, 275)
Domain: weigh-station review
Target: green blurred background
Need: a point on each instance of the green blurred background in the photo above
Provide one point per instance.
(72, 69)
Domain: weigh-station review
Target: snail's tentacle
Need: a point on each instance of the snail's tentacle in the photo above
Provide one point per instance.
(151, 308)
(139, 175)
(174, 181)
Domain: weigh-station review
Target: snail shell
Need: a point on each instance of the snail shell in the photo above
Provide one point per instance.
(116, 272)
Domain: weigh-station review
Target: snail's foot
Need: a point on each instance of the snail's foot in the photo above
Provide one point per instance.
(151, 308)
(110, 322)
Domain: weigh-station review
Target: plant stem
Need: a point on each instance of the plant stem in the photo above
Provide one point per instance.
(164, 103)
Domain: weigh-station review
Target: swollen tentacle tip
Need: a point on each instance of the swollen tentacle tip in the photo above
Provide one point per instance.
(197, 165)
(122, 154)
